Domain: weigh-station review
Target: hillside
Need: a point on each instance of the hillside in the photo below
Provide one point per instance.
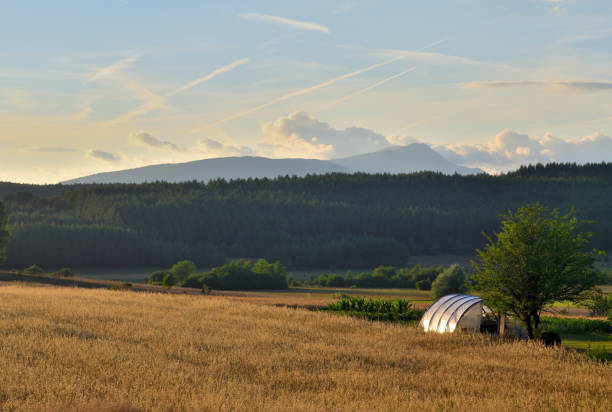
(69, 348)
(323, 221)
(209, 169)
(415, 157)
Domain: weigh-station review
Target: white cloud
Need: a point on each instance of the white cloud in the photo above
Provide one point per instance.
(301, 135)
(113, 69)
(146, 139)
(296, 24)
(103, 156)
(509, 149)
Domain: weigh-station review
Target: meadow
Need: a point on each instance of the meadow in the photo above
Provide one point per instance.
(64, 348)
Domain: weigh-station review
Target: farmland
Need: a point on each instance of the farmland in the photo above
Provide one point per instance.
(66, 347)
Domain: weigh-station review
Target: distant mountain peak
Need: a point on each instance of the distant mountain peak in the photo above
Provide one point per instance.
(414, 157)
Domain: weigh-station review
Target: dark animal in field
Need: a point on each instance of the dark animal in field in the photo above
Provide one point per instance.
(550, 339)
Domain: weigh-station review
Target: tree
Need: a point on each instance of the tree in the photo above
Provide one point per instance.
(182, 269)
(169, 281)
(451, 280)
(4, 233)
(536, 259)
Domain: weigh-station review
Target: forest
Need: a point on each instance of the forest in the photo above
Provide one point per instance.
(324, 221)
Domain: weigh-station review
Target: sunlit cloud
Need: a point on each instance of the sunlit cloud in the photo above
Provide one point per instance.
(283, 21)
(302, 135)
(509, 149)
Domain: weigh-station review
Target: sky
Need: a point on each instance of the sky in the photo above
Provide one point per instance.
(88, 87)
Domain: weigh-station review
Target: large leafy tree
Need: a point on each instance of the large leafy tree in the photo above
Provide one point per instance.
(4, 233)
(537, 258)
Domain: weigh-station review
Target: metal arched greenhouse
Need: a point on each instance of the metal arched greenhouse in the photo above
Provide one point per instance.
(453, 312)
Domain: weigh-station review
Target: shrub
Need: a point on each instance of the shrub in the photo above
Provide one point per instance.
(600, 305)
(549, 338)
(169, 281)
(156, 277)
(334, 280)
(181, 270)
(376, 309)
(452, 280)
(33, 269)
(64, 272)
(205, 290)
(424, 284)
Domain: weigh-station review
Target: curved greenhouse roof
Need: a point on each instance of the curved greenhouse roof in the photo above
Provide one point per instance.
(451, 312)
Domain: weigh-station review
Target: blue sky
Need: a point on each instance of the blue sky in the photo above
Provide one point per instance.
(96, 86)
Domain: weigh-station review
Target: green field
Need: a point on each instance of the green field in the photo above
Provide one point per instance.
(588, 341)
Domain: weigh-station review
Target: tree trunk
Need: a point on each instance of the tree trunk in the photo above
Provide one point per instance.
(527, 322)
(536, 320)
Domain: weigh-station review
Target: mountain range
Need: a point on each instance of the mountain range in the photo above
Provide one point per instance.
(414, 157)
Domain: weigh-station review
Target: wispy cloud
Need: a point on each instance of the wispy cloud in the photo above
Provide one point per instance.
(154, 101)
(103, 156)
(58, 149)
(425, 56)
(113, 69)
(283, 21)
(574, 85)
(317, 87)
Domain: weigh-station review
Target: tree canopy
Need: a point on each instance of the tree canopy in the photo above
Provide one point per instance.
(537, 258)
(451, 280)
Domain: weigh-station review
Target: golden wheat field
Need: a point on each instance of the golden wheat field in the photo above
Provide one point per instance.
(77, 349)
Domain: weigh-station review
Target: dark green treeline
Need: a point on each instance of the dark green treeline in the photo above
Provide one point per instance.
(334, 220)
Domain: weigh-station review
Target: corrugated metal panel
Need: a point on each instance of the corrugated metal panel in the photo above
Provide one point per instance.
(445, 313)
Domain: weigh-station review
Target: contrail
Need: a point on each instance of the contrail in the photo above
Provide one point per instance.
(318, 86)
(210, 76)
(158, 101)
(296, 24)
(373, 86)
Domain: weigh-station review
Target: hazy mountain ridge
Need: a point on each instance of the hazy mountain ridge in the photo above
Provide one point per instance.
(415, 157)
